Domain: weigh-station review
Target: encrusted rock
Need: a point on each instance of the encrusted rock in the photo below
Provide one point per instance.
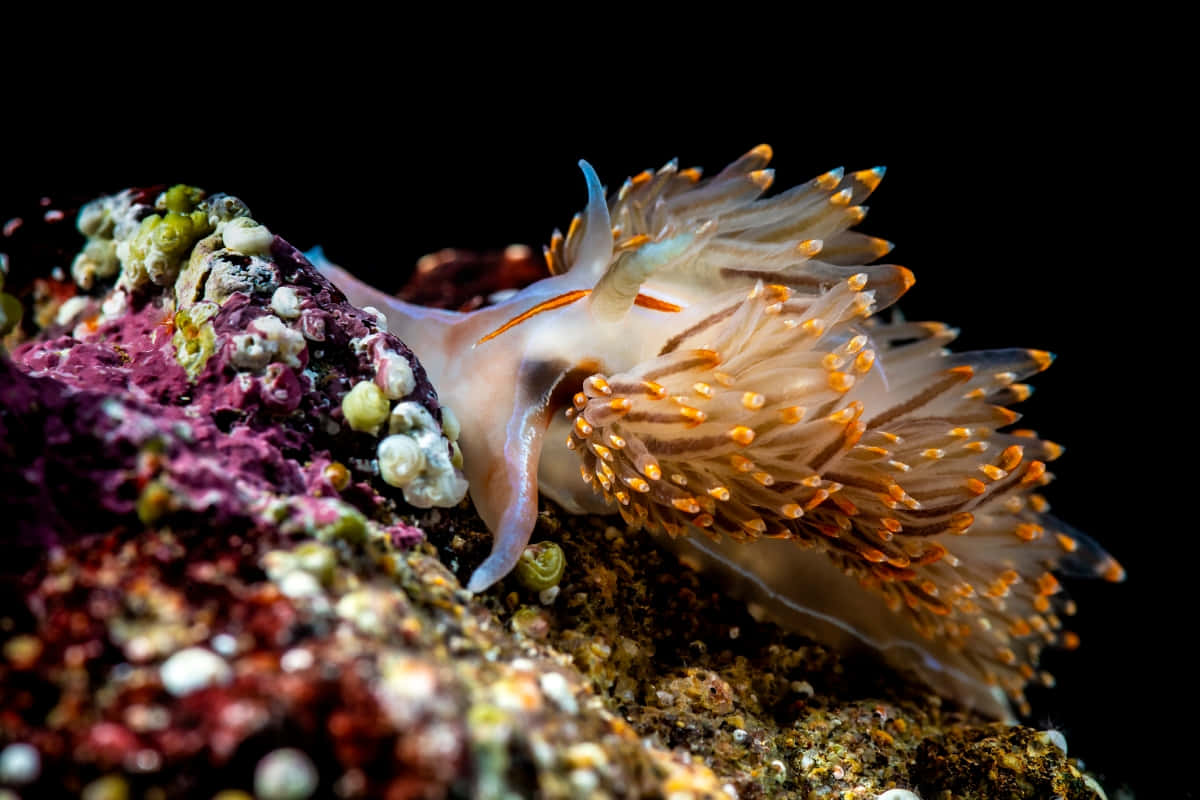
(205, 396)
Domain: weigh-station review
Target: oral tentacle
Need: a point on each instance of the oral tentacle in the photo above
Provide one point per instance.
(595, 245)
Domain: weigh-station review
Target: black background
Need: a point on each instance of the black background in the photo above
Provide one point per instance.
(1038, 207)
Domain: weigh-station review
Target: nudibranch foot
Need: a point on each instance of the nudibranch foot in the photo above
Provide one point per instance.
(710, 365)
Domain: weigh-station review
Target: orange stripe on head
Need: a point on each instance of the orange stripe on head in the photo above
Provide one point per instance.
(547, 305)
(654, 304)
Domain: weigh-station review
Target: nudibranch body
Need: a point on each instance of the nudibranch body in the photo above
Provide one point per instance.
(708, 364)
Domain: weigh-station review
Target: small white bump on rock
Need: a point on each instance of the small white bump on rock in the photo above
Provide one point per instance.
(299, 584)
(285, 302)
(20, 763)
(193, 669)
(285, 774)
(1054, 737)
(555, 687)
(297, 659)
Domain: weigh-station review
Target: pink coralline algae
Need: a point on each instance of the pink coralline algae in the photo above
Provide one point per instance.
(218, 395)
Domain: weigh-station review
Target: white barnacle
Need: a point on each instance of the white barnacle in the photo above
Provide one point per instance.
(158, 268)
(224, 207)
(400, 460)
(98, 259)
(285, 303)
(416, 438)
(394, 374)
(289, 342)
(69, 309)
(244, 235)
(410, 417)
(114, 305)
(379, 317)
(252, 351)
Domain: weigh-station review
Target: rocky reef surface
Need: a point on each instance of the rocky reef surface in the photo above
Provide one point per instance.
(234, 526)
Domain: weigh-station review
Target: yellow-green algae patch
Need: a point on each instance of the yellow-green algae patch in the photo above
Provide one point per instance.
(10, 308)
(195, 339)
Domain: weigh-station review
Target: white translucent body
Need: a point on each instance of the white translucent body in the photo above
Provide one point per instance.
(686, 277)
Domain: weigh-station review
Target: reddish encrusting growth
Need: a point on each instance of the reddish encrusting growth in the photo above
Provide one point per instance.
(93, 416)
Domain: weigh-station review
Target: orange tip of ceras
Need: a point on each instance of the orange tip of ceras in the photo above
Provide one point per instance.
(642, 177)
(1112, 571)
(829, 180)
(742, 435)
(881, 247)
(1042, 358)
(763, 178)
(809, 247)
(1011, 456)
(841, 198)
(870, 177)
(763, 151)
(840, 381)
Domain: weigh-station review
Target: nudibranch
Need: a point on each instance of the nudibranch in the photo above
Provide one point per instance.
(709, 364)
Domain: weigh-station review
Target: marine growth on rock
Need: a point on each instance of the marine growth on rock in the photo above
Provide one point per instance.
(212, 374)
